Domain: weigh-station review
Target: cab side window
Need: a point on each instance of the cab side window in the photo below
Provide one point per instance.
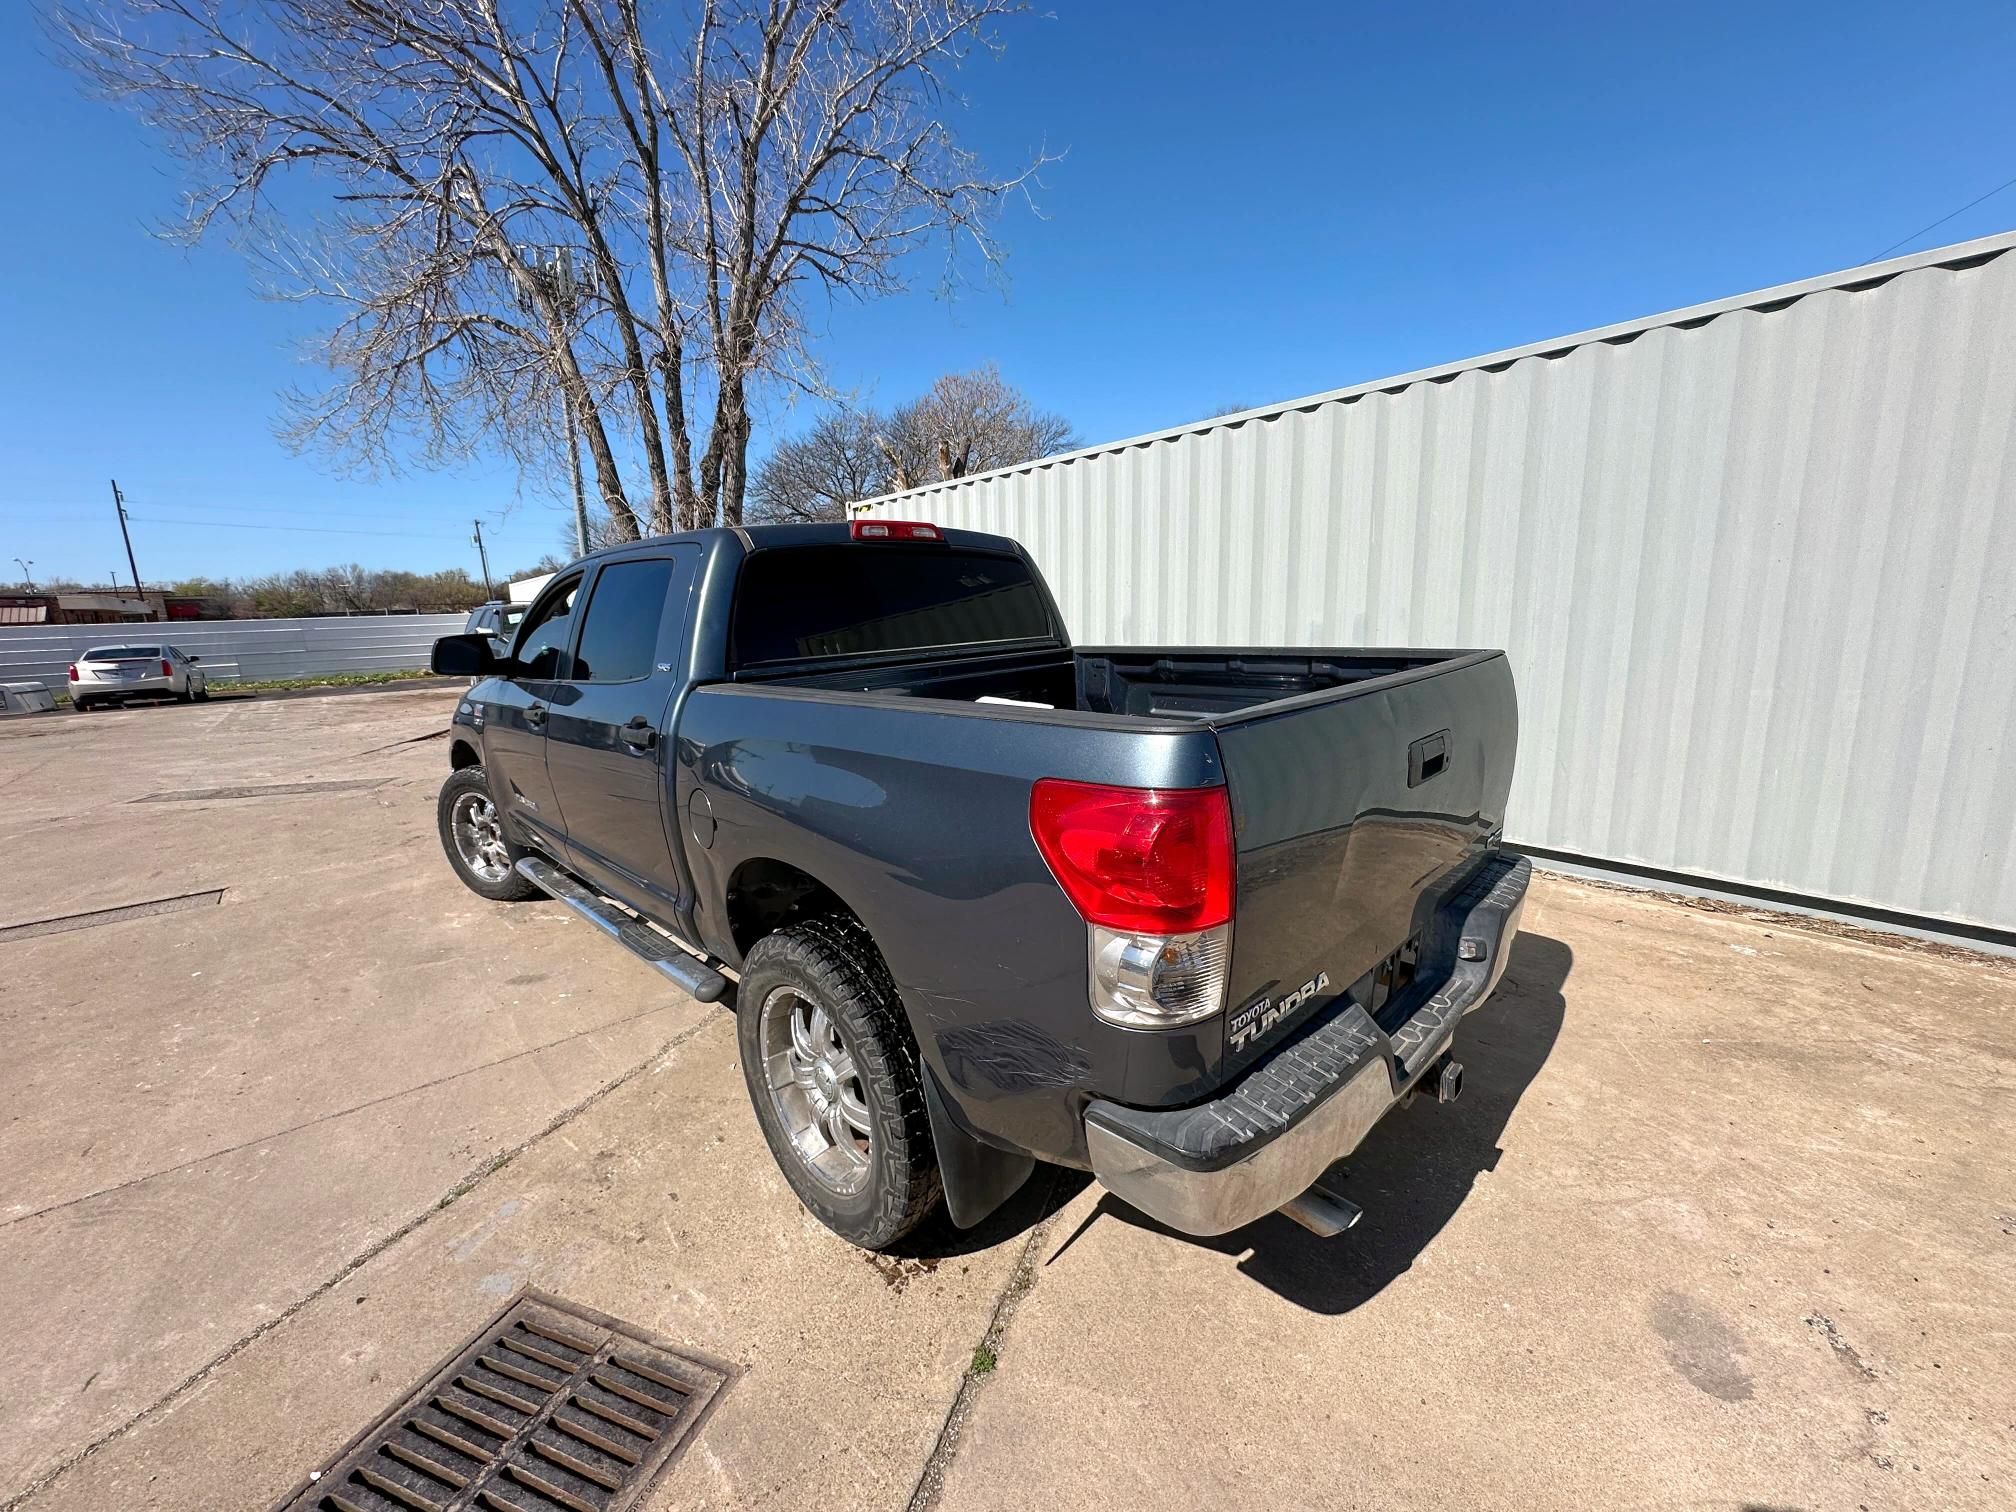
(542, 647)
(619, 637)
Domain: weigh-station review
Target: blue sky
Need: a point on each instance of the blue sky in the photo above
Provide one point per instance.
(1256, 202)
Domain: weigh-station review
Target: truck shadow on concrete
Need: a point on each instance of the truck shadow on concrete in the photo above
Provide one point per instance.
(1416, 1168)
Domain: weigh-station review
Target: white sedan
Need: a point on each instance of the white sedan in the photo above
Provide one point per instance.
(113, 674)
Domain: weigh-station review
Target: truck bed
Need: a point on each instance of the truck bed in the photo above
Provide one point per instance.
(1145, 682)
(1365, 783)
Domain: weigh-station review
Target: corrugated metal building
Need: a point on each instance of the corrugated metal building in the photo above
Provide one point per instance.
(1752, 560)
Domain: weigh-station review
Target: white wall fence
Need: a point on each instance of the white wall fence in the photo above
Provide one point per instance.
(238, 650)
(1754, 563)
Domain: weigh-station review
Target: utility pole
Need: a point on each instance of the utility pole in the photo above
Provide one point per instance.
(484, 557)
(27, 571)
(119, 503)
(574, 467)
(568, 289)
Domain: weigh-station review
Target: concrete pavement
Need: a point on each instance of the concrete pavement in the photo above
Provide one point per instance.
(1726, 1216)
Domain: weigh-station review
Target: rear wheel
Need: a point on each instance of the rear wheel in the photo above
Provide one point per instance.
(834, 1078)
(472, 833)
(81, 705)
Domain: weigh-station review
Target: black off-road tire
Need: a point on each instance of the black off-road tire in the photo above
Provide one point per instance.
(832, 961)
(509, 888)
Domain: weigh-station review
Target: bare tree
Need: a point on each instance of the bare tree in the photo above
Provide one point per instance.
(705, 167)
(817, 475)
(450, 148)
(965, 423)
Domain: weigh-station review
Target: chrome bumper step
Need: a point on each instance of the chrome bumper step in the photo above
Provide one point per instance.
(629, 931)
(1209, 1168)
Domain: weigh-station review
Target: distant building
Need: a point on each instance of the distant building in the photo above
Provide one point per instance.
(186, 606)
(72, 609)
(109, 608)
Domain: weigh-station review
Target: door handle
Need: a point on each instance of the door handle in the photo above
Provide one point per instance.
(535, 716)
(639, 734)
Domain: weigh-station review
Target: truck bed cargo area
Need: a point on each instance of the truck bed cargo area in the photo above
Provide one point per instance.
(1146, 682)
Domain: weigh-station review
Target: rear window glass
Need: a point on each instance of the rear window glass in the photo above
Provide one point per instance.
(619, 638)
(123, 653)
(809, 601)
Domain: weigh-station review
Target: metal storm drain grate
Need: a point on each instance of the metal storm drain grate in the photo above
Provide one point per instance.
(268, 790)
(550, 1408)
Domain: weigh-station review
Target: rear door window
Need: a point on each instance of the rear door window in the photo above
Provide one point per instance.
(796, 602)
(619, 637)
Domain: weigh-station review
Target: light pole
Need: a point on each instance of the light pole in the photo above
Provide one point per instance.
(27, 573)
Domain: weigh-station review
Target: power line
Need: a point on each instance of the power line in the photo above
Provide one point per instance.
(1940, 222)
(15, 506)
(410, 535)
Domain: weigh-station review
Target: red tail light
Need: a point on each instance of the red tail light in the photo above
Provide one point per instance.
(894, 530)
(1150, 860)
(73, 671)
(166, 669)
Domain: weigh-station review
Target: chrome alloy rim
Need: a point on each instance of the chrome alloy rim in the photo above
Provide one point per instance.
(479, 839)
(816, 1090)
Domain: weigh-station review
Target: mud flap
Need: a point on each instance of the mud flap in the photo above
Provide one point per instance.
(978, 1177)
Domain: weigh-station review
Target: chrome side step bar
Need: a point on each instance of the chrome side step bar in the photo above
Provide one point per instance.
(632, 933)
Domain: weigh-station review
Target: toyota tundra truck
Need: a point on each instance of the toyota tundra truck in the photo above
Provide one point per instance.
(1190, 918)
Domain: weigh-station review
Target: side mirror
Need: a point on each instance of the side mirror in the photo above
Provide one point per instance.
(192, 659)
(466, 656)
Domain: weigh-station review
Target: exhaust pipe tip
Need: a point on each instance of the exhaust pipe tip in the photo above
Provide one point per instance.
(1448, 1081)
(1323, 1212)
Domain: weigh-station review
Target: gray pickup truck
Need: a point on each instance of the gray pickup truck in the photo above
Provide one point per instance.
(1190, 918)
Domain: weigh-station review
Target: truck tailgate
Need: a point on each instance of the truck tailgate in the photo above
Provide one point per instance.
(1354, 811)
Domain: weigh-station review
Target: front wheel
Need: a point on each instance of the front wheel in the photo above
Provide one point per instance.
(472, 833)
(834, 1078)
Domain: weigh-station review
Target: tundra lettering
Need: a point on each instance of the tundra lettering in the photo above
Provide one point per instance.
(1256, 1019)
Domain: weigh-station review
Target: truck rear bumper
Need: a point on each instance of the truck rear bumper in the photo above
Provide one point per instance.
(1216, 1166)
